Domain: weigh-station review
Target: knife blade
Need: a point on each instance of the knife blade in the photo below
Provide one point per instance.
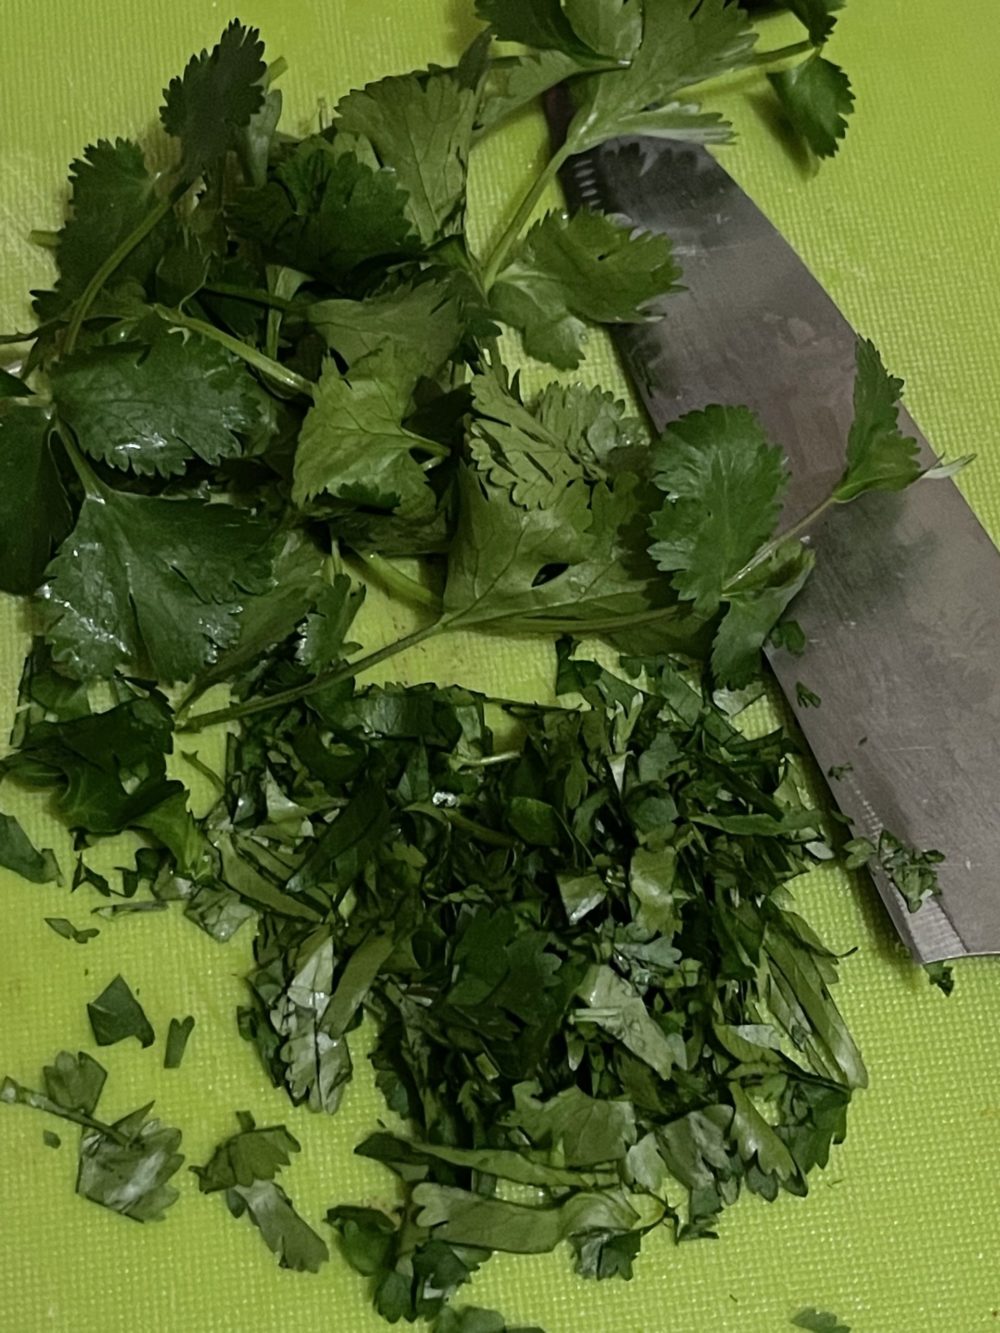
(902, 614)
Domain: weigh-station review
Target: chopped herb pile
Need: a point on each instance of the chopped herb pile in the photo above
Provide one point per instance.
(256, 383)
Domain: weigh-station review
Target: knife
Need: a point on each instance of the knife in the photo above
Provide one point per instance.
(902, 612)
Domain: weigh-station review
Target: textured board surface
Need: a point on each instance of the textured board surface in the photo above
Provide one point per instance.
(902, 1233)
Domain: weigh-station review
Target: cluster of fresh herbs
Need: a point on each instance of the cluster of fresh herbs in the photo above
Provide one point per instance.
(595, 1012)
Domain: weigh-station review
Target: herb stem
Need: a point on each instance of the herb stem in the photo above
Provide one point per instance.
(344, 672)
(523, 212)
(400, 584)
(14, 1093)
(45, 240)
(764, 553)
(88, 477)
(479, 831)
(253, 295)
(274, 370)
(781, 53)
(117, 257)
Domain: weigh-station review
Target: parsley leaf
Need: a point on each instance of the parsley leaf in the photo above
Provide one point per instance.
(879, 457)
(421, 129)
(569, 270)
(215, 98)
(17, 853)
(353, 444)
(34, 512)
(150, 406)
(171, 573)
(245, 1167)
(816, 97)
(117, 1014)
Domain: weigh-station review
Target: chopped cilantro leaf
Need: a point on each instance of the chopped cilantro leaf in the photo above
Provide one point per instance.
(117, 1014)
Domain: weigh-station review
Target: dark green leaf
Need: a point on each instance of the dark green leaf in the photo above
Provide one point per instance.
(17, 853)
(572, 270)
(879, 457)
(51, 1140)
(724, 484)
(819, 1321)
(284, 1232)
(252, 1154)
(171, 575)
(74, 1082)
(117, 1014)
(150, 407)
(111, 193)
(421, 129)
(68, 931)
(177, 1039)
(816, 97)
(215, 98)
(34, 512)
(126, 1168)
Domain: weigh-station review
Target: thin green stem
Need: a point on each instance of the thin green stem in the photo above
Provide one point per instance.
(274, 370)
(89, 479)
(781, 53)
(497, 259)
(344, 672)
(764, 553)
(502, 757)
(400, 584)
(14, 1093)
(492, 837)
(117, 257)
(253, 295)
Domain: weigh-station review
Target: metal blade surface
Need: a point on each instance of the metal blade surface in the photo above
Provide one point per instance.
(902, 614)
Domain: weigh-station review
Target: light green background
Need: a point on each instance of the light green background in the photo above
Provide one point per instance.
(902, 1233)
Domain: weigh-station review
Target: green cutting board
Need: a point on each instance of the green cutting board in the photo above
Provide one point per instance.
(902, 1233)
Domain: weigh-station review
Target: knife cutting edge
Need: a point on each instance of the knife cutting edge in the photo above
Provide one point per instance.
(902, 612)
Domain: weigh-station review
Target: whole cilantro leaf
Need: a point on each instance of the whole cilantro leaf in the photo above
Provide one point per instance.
(587, 267)
(111, 192)
(679, 48)
(879, 456)
(284, 1232)
(325, 212)
(150, 406)
(215, 98)
(117, 1014)
(421, 128)
(252, 1154)
(353, 444)
(170, 575)
(816, 97)
(724, 483)
(126, 1167)
(34, 512)
(18, 853)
